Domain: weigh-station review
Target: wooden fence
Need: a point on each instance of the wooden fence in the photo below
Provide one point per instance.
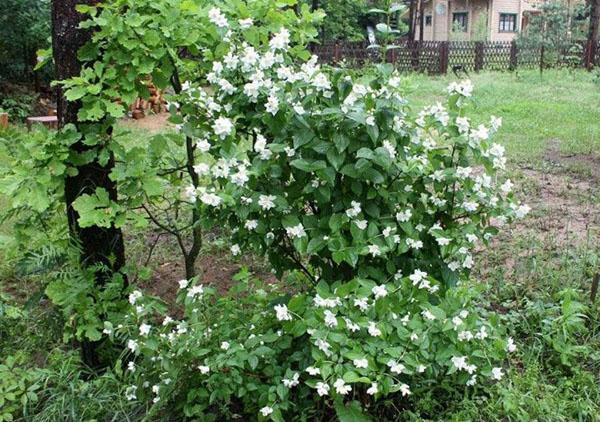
(437, 57)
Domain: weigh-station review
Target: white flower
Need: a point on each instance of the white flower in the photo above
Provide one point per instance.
(372, 390)
(472, 380)
(362, 303)
(134, 296)
(130, 393)
(132, 345)
(497, 373)
(361, 224)
(417, 276)
(201, 169)
(464, 88)
(217, 17)
(145, 329)
(131, 366)
(313, 371)
(465, 335)
(225, 345)
(272, 105)
(251, 224)
(351, 326)
(341, 387)
(370, 121)
(281, 40)
(443, 241)
(507, 186)
(204, 369)
(354, 210)
(459, 362)
(373, 330)
(480, 134)
(290, 152)
(495, 122)
(266, 411)
(510, 345)
(421, 368)
(323, 346)
(223, 127)
(361, 363)
(405, 390)
(203, 145)
(321, 82)
(282, 313)
(379, 291)
(246, 23)
(428, 315)
(522, 211)
(295, 231)
(387, 145)
(395, 367)
(322, 389)
(374, 250)
(211, 199)
(463, 124)
(196, 290)
(330, 319)
(291, 382)
(403, 216)
(266, 202)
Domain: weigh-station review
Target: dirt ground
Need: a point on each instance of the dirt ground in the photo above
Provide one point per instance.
(151, 123)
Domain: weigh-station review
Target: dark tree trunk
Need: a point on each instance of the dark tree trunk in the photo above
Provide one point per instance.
(593, 32)
(421, 19)
(98, 245)
(411, 21)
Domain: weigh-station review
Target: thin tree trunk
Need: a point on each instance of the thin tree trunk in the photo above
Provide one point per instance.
(411, 21)
(421, 19)
(98, 245)
(593, 32)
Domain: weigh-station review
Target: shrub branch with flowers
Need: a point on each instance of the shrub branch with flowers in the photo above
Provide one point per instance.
(333, 177)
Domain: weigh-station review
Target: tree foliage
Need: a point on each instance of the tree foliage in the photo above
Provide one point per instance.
(24, 29)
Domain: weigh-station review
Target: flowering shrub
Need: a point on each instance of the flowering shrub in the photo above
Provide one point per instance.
(380, 209)
(254, 354)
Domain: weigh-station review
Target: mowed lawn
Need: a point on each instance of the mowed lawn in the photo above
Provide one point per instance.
(558, 110)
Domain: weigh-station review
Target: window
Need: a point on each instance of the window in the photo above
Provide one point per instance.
(428, 20)
(508, 22)
(460, 21)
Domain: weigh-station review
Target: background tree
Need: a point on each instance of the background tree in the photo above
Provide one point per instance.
(24, 29)
(593, 31)
(100, 246)
(549, 32)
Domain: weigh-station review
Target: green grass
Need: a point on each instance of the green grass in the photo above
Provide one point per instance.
(560, 106)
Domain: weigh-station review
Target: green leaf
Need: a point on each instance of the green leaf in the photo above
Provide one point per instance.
(351, 412)
(309, 165)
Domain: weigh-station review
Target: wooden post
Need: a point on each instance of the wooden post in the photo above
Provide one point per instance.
(479, 51)
(3, 120)
(336, 51)
(443, 53)
(513, 56)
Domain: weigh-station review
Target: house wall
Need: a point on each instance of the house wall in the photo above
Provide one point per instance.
(504, 6)
(483, 21)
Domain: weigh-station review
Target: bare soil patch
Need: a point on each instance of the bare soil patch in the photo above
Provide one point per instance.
(152, 123)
